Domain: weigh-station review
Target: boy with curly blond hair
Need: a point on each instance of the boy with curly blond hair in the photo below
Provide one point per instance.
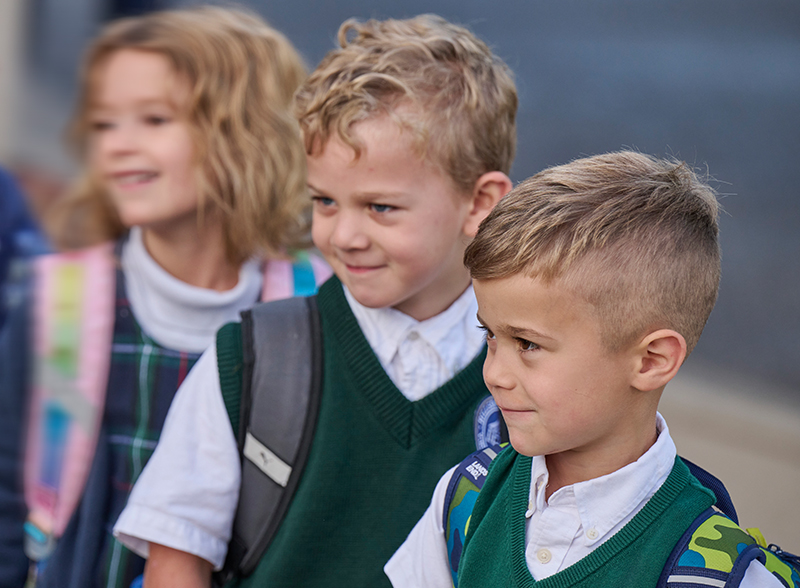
(409, 134)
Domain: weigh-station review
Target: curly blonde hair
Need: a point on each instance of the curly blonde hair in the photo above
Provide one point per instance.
(242, 75)
(633, 235)
(432, 77)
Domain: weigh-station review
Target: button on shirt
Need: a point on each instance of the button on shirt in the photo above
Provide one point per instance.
(420, 356)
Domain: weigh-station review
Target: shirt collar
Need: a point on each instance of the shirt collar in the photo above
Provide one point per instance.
(604, 502)
(386, 328)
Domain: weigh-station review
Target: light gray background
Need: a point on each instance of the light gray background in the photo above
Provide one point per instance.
(716, 83)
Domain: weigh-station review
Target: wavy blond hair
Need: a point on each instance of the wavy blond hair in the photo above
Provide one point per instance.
(242, 75)
(635, 236)
(432, 77)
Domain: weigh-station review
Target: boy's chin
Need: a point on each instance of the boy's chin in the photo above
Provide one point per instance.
(522, 444)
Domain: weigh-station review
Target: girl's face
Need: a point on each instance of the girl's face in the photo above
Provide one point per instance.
(141, 145)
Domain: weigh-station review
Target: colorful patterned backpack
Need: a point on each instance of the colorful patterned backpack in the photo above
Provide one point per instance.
(713, 552)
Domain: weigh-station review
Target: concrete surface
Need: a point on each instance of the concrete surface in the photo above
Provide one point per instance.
(746, 433)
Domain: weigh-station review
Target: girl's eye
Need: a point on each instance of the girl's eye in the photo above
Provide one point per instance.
(381, 208)
(525, 345)
(100, 125)
(156, 120)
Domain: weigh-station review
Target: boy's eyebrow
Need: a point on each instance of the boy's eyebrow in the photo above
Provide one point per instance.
(363, 197)
(515, 332)
(313, 189)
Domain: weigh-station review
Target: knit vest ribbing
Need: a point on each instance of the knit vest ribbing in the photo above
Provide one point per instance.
(375, 460)
(494, 553)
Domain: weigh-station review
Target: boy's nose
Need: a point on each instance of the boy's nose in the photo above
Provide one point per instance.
(348, 234)
(495, 372)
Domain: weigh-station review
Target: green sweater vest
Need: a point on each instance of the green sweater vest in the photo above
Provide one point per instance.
(494, 553)
(374, 462)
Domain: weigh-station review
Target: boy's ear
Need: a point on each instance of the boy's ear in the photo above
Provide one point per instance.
(658, 357)
(488, 190)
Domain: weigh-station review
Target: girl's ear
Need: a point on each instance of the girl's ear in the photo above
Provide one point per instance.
(489, 189)
(659, 356)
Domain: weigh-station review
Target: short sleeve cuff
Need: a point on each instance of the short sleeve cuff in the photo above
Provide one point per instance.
(138, 526)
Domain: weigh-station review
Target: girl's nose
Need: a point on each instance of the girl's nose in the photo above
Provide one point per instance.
(120, 139)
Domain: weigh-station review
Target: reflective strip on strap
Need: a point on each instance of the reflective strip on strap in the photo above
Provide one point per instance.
(266, 460)
(699, 580)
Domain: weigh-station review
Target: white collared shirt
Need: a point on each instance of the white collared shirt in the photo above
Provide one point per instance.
(558, 532)
(420, 356)
(579, 518)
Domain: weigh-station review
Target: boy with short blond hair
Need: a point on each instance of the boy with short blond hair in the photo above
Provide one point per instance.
(409, 130)
(594, 281)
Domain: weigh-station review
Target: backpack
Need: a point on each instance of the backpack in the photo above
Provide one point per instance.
(274, 430)
(73, 316)
(714, 551)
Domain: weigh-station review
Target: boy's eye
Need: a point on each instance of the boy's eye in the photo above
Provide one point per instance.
(322, 200)
(525, 345)
(486, 332)
(381, 208)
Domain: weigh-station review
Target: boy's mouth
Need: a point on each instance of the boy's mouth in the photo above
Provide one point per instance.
(514, 411)
(361, 269)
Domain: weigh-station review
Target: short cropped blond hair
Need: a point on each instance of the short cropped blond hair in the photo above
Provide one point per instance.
(456, 97)
(242, 75)
(635, 236)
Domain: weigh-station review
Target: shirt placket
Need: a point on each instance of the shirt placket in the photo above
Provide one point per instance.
(551, 532)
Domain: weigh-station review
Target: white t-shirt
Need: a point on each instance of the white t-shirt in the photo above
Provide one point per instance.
(558, 532)
(178, 315)
(187, 494)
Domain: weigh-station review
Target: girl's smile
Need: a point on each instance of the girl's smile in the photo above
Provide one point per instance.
(141, 143)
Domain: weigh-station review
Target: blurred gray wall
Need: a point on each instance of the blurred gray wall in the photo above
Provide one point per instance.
(715, 82)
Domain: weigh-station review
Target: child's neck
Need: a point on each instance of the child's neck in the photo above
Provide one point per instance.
(571, 467)
(193, 254)
(431, 304)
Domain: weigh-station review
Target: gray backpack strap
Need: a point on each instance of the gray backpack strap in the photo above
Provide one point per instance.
(281, 386)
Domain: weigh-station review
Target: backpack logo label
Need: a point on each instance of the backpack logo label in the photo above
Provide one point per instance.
(477, 470)
(487, 424)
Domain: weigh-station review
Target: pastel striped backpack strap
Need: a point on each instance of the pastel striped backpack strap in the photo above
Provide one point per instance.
(73, 318)
(297, 277)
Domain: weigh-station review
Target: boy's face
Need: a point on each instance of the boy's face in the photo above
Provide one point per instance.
(561, 391)
(391, 226)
